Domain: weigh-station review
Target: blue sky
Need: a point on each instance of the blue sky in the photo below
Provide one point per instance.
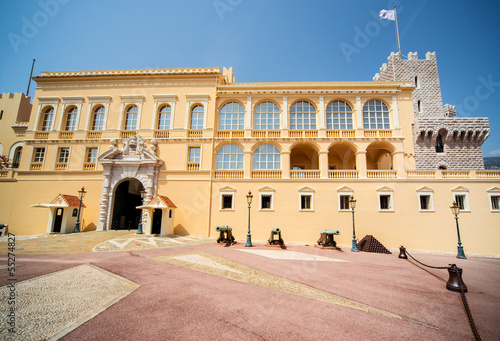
(264, 40)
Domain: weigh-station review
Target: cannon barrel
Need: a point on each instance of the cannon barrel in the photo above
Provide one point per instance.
(330, 232)
(223, 228)
(276, 230)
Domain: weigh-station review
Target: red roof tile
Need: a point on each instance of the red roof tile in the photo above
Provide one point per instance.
(70, 200)
(165, 200)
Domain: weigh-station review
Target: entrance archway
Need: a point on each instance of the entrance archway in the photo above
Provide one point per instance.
(58, 220)
(156, 227)
(127, 197)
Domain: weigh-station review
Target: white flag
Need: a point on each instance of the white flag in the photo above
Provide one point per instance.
(385, 14)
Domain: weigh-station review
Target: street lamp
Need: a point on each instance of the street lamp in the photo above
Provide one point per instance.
(352, 205)
(455, 209)
(139, 227)
(81, 194)
(249, 236)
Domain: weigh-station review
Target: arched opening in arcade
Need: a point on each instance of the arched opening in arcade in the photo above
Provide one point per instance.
(304, 156)
(379, 155)
(127, 197)
(342, 156)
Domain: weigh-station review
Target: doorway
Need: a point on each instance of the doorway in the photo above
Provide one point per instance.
(58, 220)
(156, 227)
(127, 197)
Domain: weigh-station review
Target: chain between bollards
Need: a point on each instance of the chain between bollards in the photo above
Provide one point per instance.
(454, 272)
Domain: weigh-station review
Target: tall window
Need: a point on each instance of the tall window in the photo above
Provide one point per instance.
(194, 154)
(338, 115)
(98, 119)
(197, 118)
(39, 155)
(267, 156)
(376, 115)
(495, 202)
(71, 119)
(302, 116)
(17, 157)
(344, 202)
(164, 117)
(131, 118)
(63, 155)
(266, 116)
(48, 116)
(91, 155)
(230, 156)
(460, 199)
(232, 117)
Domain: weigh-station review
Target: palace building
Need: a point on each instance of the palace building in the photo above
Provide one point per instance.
(195, 142)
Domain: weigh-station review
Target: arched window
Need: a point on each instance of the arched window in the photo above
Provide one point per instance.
(232, 117)
(302, 116)
(267, 156)
(230, 156)
(71, 119)
(338, 115)
(266, 116)
(164, 117)
(376, 115)
(16, 160)
(48, 115)
(98, 118)
(131, 118)
(197, 117)
(439, 144)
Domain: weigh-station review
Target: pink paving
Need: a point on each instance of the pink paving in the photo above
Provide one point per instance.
(177, 303)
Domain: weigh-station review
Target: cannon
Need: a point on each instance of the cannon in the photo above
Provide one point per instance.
(326, 238)
(225, 234)
(276, 232)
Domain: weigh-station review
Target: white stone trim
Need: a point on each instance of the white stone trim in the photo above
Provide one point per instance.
(426, 191)
(382, 191)
(268, 191)
(226, 191)
(493, 192)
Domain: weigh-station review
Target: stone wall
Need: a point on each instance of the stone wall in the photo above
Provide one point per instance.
(462, 137)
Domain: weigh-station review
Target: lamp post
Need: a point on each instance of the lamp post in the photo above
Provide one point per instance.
(139, 227)
(81, 194)
(249, 236)
(352, 205)
(455, 209)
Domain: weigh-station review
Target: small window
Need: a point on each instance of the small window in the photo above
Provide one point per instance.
(75, 212)
(227, 202)
(1, 114)
(63, 155)
(439, 144)
(170, 213)
(419, 106)
(306, 202)
(425, 201)
(266, 201)
(194, 154)
(39, 155)
(495, 202)
(460, 200)
(17, 157)
(91, 155)
(344, 202)
(385, 202)
(417, 84)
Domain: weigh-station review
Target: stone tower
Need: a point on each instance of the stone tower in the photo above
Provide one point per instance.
(441, 140)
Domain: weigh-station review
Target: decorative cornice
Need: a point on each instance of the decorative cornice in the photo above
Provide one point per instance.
(131, 72)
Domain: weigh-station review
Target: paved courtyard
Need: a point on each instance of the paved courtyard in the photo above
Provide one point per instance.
(116, 285)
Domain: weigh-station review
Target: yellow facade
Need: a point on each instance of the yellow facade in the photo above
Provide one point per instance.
(214, 148)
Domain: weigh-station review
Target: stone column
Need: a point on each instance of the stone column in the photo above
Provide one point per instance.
(361, 163)
(285, 164)
(323, 164)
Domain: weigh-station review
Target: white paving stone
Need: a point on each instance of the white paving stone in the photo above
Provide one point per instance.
(200, 260)
(291, 255)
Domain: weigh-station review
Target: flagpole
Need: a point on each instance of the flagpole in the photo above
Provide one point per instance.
(397, 29)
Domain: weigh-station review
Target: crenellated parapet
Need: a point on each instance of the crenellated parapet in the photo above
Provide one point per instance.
(453, 130)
